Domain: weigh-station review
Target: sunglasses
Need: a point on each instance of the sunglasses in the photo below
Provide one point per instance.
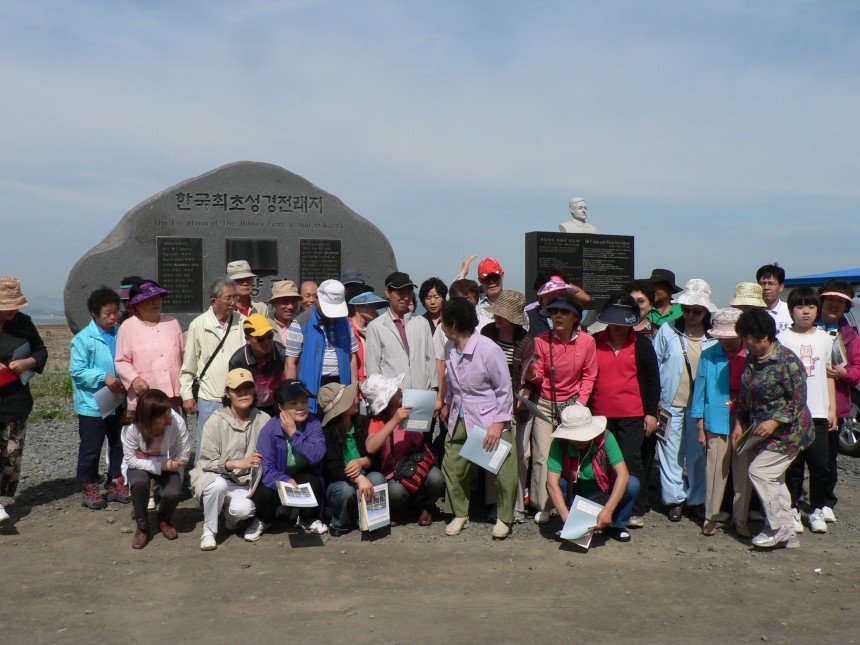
(556, 310)
(492, 277)
(693, 310)
(264, 337)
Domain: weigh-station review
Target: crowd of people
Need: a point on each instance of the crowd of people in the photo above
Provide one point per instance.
(308, 389)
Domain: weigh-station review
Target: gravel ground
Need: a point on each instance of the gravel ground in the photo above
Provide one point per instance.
(76, 578)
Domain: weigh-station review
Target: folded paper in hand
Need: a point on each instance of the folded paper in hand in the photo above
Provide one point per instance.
(473, 450)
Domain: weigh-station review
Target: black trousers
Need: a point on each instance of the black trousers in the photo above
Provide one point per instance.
(629, 432)
(267, 500)
(816, 458)
(170, 485)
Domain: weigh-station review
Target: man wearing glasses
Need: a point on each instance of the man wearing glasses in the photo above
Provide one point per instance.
(213, 337)
(492, 276)
(264, 357)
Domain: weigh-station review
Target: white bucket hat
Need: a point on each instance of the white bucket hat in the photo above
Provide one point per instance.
(378, 390)
(577, 424)
(696, 293)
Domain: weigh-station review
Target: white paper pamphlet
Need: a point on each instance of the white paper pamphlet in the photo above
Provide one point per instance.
(664, 422)
(375, 513)
(108, 400)
(581, 521)
(473, 450)
(423, 404)
(256, 477)
(301, 496)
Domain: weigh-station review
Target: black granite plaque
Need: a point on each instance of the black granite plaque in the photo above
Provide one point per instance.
(319, 260)
(180, 271)
(601, 264)
(262, 255)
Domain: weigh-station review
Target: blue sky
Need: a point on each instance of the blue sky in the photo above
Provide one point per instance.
(722, 135)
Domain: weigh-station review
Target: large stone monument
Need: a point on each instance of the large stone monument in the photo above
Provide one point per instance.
(183, 237)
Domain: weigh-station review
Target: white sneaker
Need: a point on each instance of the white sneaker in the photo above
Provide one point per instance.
(519, 517)
(151, 505)
(542, 517)
(827, 514)
(255, 531)
(207, 542)
(4, 516)
(816, 522)
(796, 524)
(782, 537)
(456, 525)
(636, 522)
(755, 516)
(724, 517)
(501, 530)
(314, 527)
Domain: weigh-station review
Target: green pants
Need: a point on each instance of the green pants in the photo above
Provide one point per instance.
(459, 473)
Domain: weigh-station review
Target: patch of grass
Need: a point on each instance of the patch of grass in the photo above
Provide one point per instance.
(52, 395)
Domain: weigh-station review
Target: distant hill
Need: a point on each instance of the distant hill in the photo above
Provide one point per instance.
(43, 305)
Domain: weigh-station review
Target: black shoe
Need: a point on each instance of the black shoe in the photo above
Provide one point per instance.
(337, 532)
(675, 513)
(617, 534)
(697, 512)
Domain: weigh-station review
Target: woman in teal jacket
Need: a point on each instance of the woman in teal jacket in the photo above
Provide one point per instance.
(91, 366)
(718, 382)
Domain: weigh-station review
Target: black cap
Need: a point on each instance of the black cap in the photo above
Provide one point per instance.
(398, 280)
(664, 275)
(290, 390)
(561, 303)
(618, 314)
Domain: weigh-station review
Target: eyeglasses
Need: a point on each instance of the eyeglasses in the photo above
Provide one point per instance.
(641, 301)
(229, 298)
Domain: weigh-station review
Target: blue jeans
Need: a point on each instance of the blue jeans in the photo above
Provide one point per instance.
(205, 409)
(682, 446)
(341, 499)
(625, 506)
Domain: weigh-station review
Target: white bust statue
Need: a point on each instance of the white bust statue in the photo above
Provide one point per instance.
(578, 213)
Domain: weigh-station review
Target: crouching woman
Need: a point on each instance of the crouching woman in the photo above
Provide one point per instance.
(221, 477)
(585, 460)
(292, 445)
(155, 448)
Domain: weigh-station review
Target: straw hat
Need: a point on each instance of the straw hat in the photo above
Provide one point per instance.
(696, 293)
(11, 297)
(509, 305)
(747, 294)
(724, 322)
(334, 399)
(577, 424)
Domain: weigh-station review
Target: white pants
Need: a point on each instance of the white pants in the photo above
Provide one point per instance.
(767, 474)
(237, 508)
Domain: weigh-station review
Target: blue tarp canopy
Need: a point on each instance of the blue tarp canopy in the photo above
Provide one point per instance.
(818, 279)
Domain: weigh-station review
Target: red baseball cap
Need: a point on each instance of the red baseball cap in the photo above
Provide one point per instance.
(488, 266)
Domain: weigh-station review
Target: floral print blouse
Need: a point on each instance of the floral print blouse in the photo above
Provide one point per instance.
(776, 390)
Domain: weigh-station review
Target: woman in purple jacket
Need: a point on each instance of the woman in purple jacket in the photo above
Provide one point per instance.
(292, 445)
(478, 393)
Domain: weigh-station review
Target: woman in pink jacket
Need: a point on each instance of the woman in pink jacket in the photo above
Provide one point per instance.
(149, 347)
